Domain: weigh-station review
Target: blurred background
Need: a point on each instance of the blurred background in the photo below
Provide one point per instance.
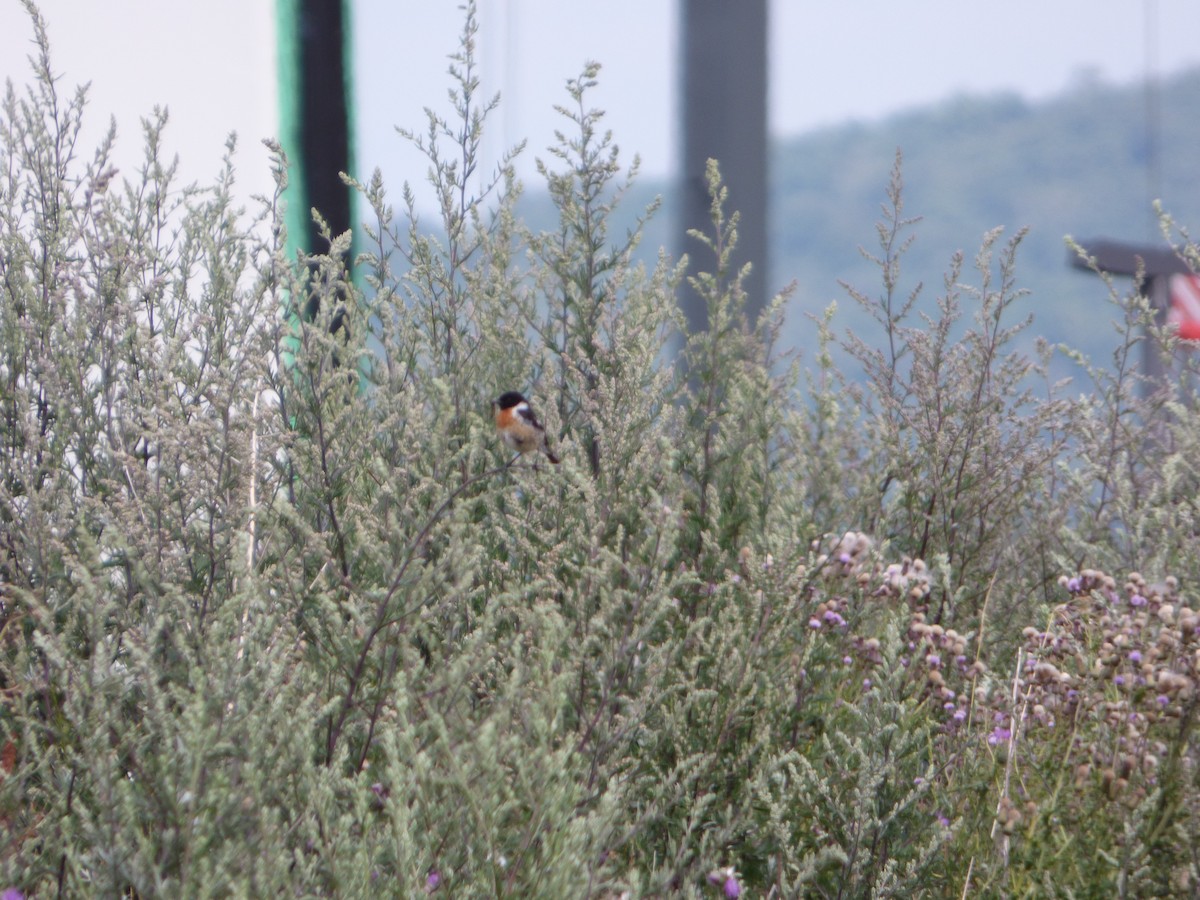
(1066, 117)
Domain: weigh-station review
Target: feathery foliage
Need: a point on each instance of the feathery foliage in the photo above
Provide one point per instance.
(279, 616)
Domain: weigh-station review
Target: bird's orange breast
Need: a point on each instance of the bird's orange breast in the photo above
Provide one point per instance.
(518, 432)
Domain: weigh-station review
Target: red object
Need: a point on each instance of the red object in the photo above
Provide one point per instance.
(1185, 306)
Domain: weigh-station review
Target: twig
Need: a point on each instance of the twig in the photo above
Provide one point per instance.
(381, 617)
(252, 519)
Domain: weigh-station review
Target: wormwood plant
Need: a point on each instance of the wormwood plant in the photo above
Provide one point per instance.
(278, 615)
(136, 337)
(1136, 437)
(742, 440)
(967, 447)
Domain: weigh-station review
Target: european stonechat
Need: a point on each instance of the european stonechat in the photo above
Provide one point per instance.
(518, 426)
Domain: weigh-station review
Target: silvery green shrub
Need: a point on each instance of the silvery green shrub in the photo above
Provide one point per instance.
(280, 616)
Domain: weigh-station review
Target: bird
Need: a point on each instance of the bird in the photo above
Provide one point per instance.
(519, 427)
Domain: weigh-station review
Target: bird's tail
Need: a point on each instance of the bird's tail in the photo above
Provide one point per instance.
(550, 454)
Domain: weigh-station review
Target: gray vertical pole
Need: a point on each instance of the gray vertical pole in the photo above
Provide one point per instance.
(724, 93)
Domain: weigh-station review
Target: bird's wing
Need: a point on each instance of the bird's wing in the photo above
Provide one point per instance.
(527, 416)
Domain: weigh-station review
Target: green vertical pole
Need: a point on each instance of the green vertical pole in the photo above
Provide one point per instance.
(313, 64)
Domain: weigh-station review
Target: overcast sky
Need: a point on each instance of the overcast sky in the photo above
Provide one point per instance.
(213, 64)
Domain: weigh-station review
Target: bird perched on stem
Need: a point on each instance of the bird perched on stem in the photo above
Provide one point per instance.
(518, 426)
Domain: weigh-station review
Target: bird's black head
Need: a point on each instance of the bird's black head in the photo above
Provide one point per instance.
(509, 399)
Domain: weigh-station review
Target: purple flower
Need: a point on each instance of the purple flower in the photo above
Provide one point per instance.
(1135, 656)
(843, 558)
(1162, 699)
(846, 660)
(1137, 600)
(12, 894)
(1119, 680)
(999, 735)
(727, 879)
(934, 660)
(833, 618)
(432, 881)
(814, 623)
(943, 821)
(959, 715)
(1074, 584)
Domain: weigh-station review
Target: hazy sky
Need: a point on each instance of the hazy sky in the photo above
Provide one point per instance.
(213, 65)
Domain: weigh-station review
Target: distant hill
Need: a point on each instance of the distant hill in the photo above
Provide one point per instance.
(1075, 164)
